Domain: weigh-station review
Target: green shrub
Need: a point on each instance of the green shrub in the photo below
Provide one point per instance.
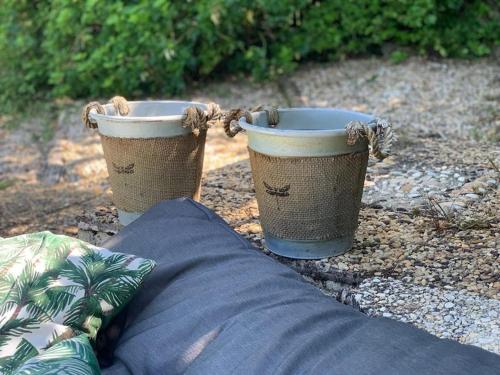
(89, 48)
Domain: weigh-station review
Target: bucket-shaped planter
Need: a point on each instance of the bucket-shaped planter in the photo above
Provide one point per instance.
(309, 172)
(151, 154)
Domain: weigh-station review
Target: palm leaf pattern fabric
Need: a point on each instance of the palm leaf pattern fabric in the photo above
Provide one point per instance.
(54, 287)
(69, 357)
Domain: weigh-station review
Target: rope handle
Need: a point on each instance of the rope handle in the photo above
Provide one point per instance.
(231, 119)
(94, 107)
(119, 103)
(194, 118)
(198, 119)
(378, 132)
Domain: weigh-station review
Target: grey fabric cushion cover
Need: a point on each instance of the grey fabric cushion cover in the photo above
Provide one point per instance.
(216, 305)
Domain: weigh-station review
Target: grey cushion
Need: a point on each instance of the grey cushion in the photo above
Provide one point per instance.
(215, 305)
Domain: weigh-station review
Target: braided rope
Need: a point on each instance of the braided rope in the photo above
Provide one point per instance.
(120, 104)
(87, 122)
(378, 132)
(230, 122)
(231, 119)
(196, 118)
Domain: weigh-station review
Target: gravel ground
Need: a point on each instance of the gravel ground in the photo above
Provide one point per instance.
(427, 247)
(445, 312)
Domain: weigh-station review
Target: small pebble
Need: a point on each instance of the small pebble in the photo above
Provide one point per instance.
(452, 206)
(472, 196)
(492, 182)
(332, 285)
(342, 266)
(449, 296)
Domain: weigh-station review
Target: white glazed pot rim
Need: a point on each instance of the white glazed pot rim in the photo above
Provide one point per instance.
(301, 133)
(112, 117)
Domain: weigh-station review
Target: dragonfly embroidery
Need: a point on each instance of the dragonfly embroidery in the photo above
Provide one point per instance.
(128, 169)
(277, 192)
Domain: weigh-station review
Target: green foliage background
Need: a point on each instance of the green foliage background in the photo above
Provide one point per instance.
(92, 48)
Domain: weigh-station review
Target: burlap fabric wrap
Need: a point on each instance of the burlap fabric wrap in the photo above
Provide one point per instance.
(313, 198)
(145, 171)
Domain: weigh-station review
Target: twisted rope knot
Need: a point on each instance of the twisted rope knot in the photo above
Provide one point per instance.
(120, 104)
(378, 132)
(97, 107)
(232, 126)
(230, 121)
(196, 118)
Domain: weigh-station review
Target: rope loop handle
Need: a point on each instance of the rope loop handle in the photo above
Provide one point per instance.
(378, 132)
(230, 122)
(119, 103)
(198, 119)
(231, 118)
(95, 107)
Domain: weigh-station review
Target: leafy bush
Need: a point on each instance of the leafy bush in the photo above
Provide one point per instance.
(84, 48)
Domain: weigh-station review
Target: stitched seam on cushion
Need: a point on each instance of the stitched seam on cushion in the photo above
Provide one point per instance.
(201, 208)
(211, 217)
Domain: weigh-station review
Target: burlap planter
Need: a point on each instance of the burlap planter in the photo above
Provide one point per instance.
(309, 199)
(150, 156)
(308, 178)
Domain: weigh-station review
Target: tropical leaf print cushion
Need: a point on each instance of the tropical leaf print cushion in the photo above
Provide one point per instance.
(55, 287)
(69, 357)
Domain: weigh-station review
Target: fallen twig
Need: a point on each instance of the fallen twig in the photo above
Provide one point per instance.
(339, 276)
